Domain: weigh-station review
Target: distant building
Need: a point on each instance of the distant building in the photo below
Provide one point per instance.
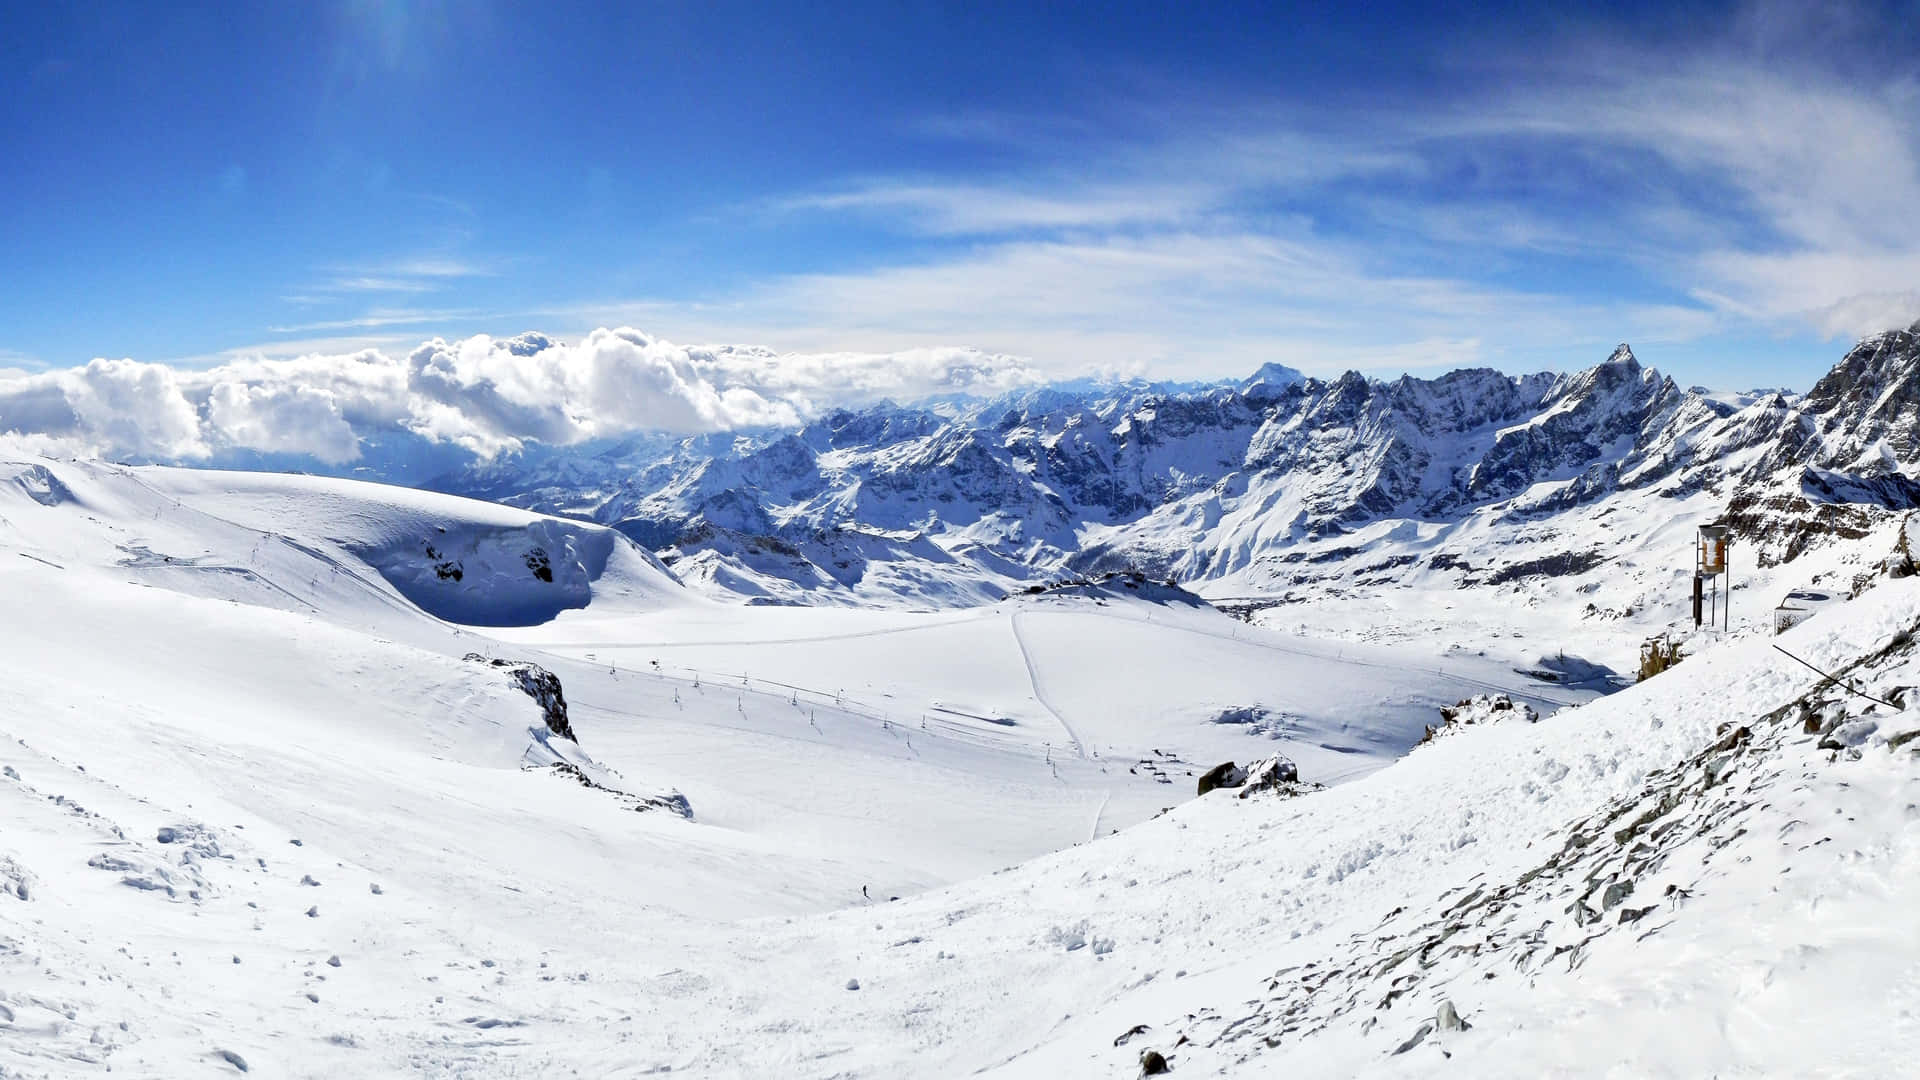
(1800, 605)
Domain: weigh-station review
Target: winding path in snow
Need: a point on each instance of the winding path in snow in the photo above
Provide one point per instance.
(1033, 677)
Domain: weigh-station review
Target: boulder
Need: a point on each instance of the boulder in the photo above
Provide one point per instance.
(1270, 774)
(1224, 775)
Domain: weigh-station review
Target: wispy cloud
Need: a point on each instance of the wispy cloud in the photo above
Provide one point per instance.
(433, 266)
(1592, 189)
(379, 317)
(379, 284)
(405, 275)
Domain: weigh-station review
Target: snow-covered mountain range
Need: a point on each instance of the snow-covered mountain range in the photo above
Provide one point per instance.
(318, 777)
(310, 777)
(1244, 489)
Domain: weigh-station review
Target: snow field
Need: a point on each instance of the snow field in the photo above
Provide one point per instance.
(215, 659)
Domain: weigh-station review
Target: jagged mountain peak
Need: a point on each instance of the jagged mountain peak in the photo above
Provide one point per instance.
(1223, 478)
(1870, 369)
(1270, 381)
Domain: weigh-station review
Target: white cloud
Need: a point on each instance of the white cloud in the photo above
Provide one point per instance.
(120, 407)
(486, 394)
(282, 419)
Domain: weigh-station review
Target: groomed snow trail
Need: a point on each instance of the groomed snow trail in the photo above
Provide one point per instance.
(1040, 695)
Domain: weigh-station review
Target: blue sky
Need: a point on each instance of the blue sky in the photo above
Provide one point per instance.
(1176, 190)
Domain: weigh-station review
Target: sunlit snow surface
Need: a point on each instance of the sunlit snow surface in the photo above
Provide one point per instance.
(269, 670)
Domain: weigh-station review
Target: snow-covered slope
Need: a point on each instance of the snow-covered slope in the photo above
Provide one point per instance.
(265, 812)
(239, 702)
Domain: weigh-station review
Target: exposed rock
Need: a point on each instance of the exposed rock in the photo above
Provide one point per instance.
(1127, 1036)
(1419, 1036)
(1479, 709)
(1224, 775)
(1275, 775)
(541, 685)
(1153, 1063)
(671, 801)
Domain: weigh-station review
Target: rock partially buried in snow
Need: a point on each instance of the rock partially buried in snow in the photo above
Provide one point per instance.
(15, 879)
(666, 800)
(1224, 775)
(1850, 734)
(1127, 1036)
(1419, 1036)
(541, 685)
(853, 984)
(1276, 774)
(1476, 710)
(1153, 1063)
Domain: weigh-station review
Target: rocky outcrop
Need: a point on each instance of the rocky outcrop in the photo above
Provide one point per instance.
(1276, 775)
(671, 801)
(1477, 710)
(541, 685)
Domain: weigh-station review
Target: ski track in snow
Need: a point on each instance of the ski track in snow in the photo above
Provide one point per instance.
(1039, 695)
